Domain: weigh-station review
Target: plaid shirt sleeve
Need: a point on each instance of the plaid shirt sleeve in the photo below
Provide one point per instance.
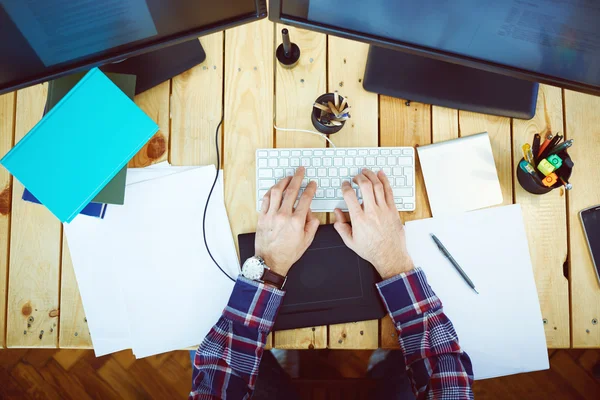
(226, 363)
(437, 366)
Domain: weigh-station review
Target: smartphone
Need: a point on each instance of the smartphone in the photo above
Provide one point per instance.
(590, 219)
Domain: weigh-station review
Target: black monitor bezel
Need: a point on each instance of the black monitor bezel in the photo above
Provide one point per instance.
(276, 15)
(119, 55)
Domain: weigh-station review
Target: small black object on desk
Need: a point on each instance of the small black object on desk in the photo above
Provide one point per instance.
(288, 53)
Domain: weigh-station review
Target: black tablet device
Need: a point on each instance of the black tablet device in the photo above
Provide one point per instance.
(330, 284)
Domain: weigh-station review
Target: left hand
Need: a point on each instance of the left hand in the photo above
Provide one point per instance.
(284, 233)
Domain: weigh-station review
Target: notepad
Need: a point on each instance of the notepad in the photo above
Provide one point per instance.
(500, 328)
(79, 146)
(460, 175)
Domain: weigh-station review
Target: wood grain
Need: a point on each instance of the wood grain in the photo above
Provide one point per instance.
(155, 103)
(74, 331)
(296, 90)
(33, 281)
(545, 223)
(197, 106)
(7, 118)
(582, 113)
(402, 125)
(248, 121)
(347, 60)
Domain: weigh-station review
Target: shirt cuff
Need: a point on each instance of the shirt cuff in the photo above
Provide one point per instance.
(408, 295)
(253, 304)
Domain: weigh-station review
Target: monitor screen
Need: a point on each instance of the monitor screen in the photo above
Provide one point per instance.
(39, 38)
(554, 38)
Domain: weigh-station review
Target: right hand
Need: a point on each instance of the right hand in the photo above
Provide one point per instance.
(376, 233)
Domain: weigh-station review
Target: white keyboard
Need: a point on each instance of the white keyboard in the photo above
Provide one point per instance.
(330, 167)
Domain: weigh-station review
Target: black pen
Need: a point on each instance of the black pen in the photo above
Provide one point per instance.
(453, 261)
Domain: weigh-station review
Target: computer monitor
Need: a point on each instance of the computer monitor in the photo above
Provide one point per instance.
(479, 55)
(45, 39)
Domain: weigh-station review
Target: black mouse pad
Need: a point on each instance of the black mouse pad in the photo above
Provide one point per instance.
(330, 284)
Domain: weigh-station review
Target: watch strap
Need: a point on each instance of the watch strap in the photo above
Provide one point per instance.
(274, 278)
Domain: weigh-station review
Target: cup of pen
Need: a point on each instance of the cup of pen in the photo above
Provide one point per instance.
(330, 113)
(549, 169)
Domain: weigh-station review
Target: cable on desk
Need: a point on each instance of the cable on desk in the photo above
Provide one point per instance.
(208, 201)
(306, 131)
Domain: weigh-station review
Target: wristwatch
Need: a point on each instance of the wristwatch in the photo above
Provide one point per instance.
(255, 269)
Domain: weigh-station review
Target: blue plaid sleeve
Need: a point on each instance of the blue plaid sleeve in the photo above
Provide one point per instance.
(226, 363)
(437, 366)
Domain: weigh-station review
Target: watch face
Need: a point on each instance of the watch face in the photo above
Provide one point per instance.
(253, 269)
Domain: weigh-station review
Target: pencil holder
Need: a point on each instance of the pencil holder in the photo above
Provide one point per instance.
(529, 183)
(319, 116)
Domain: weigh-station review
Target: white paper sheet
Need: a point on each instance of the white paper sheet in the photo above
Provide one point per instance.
(501, 329)
(460, 175)
(172, 293)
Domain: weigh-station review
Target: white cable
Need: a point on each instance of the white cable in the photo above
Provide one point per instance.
(305, 130)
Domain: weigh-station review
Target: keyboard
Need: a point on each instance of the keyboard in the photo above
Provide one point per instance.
(331, 166)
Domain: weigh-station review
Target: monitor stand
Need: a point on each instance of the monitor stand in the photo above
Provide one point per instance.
(158, 66)
(407, 76)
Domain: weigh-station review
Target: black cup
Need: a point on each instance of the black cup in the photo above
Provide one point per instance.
(528, 183)
(316, 114)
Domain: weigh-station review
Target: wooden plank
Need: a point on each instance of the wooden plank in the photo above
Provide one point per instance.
(498, 129)
(582, 113)
(347, 61)
(296, 90)
(196, 107)
(74, 330)
(545, 222)
(248, 113)
(33, 281)
(155, 103)
(7, 134)
(402, 125)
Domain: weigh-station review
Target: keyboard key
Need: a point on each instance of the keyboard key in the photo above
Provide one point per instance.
(316, 162)
(408, 171)
(295, 162)
(344, 172)
(409, 180)
(284, 162)
(279, 173)
(327, 162)
(407, 152)
(363, 152)
(403, 192)
(360, 161)
(401, 181)
(353, 172)
(329, 152)
(320, 193)
(307, 152)
(391, 161)
(330, 193)
(376, 169)
(348, 162)
(409, 206)
(273, 162)
(405, 160)
(318, 153)
(397, 171)
(304, 183)
(266, 183)
(273, 153)
(310, 172)
(373, 152)
(265, 173)
(352, 152)
(315, 180)
(285, 153)
(387, 171)
(305, 162)
(261, 193)
(262, 153)
(322, 172)
(262, 163)
(338, 162)
(370, 161)
(325, 183)
(335, 182)
(340, 152)
(289, 172)
(380, 161)
(398, 200)
(385, 152)
(333, 172)
(396, 151)
(296, 153)
(339, 193)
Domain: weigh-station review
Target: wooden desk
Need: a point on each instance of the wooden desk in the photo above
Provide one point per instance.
(238, 80)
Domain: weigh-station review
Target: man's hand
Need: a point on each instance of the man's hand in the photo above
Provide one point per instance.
(376, 233)
(284, 233)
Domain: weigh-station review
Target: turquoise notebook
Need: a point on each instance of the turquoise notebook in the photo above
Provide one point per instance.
(80, 145)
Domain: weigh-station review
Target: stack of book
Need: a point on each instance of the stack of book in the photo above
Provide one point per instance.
(75, 159)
